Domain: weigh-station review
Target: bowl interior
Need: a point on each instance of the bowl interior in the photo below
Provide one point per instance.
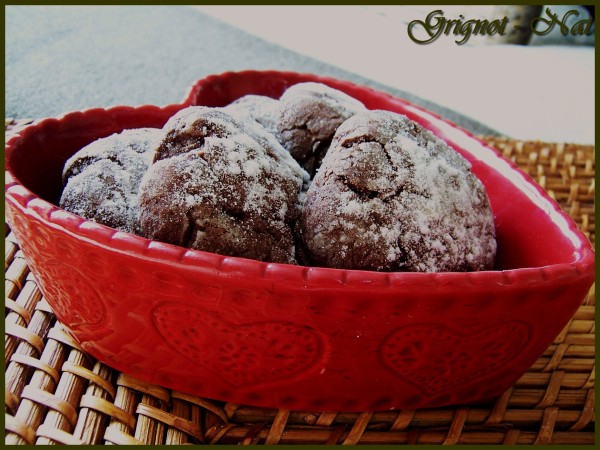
(37, 159)
(527, 221)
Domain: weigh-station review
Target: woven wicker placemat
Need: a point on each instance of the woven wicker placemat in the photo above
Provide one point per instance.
(56, 393)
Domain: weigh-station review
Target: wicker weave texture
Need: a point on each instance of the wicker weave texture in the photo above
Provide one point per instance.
(56, 393)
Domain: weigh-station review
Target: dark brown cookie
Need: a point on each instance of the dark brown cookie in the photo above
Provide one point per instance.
(259, 108)
(222, 185)
(391, 196)
(101, 180)
(310, 114)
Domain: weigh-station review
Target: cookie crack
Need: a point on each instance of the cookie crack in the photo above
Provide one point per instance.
(292, 128)
(188, 233)
(77, 167)
(237, 215)
(83, 163)
(116, 161)
(390, 161)
(352, 141)
(195, 139)
(362, 192)
(178, 146)
(386, 198)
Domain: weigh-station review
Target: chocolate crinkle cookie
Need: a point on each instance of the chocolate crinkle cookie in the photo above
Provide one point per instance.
(390, 196)
(101, 180)
(258, 108)
(223, 185)
(310, 113)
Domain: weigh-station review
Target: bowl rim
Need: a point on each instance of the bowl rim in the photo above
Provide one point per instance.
(309, 276)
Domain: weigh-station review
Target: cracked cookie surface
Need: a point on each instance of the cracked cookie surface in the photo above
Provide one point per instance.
(101, 180)
(259, 108)
(390, 196)
(309, 115)
(223, 185)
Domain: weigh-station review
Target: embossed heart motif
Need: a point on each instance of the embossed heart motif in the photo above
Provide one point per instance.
(435, 358)
(76, 302)
(244, 354)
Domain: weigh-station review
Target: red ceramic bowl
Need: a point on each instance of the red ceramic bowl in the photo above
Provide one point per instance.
(294, 337)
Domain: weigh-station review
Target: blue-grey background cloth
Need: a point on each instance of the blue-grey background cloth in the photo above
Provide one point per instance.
(67, 58)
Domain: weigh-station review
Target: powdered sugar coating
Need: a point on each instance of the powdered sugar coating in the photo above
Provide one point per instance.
(309, 115)
(390, 196)
(223, 185)
(101, 180)
(259, 108)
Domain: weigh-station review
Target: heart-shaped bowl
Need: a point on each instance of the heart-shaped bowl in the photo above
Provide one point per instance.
(286, 336)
